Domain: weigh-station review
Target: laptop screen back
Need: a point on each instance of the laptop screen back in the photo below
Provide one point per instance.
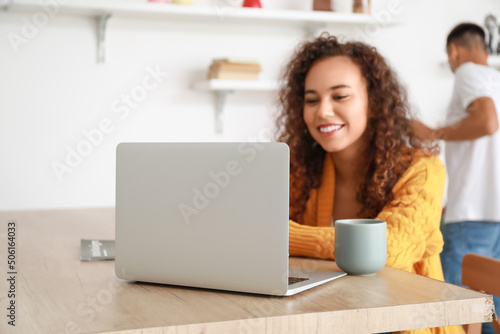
(210, 215)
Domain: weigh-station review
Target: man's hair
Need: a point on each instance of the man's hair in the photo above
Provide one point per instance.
(467, 35)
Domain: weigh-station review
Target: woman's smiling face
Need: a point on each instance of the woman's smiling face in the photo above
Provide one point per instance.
(336, 104)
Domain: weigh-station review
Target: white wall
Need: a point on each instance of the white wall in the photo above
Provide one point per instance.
(52, 91)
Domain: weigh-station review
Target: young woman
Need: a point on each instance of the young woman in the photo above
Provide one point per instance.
(353, 155)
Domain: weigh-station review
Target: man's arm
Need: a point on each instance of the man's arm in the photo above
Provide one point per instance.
(481, 121)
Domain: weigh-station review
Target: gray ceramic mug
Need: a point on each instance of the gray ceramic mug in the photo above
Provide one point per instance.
(360, 245)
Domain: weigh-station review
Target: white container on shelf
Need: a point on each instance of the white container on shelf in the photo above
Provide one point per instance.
(301, 5)
(342, 6)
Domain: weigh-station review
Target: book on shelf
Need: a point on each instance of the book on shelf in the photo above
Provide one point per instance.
(236, 60)
(234, 69)
(233, 75)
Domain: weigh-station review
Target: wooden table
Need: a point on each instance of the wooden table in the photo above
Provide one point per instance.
(55, 292)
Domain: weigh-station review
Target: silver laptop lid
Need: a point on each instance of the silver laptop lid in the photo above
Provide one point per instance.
(210, 215)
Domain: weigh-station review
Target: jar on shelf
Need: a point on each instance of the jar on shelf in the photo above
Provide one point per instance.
(361, 6)
(183, 2)
(252, 3)
(323, 5)
(342, 6)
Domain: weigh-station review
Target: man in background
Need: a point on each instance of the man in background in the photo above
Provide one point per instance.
(472, 150)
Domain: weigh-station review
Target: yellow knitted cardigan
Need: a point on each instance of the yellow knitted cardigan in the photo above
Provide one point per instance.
(414, 240)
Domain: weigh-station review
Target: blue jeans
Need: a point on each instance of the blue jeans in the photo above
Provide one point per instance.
(469, 237)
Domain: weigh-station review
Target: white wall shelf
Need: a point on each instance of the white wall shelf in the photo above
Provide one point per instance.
(310, 21)
(103, 10)
(222, 88)
(493, 61)
(144, 9)
(231, 85)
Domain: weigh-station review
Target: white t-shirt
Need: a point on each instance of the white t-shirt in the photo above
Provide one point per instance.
(473, 166)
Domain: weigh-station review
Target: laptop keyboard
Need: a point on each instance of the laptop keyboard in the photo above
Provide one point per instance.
(293, 280)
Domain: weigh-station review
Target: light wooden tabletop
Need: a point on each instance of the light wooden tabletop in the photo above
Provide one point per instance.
(55, 292)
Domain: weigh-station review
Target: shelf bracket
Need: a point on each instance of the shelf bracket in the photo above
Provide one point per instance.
(7, 5)
(102, 21)
(220, 100)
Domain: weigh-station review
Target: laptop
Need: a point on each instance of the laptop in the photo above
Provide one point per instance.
(207, 215)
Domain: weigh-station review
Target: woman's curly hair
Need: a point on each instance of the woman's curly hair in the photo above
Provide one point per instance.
(391, 142)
